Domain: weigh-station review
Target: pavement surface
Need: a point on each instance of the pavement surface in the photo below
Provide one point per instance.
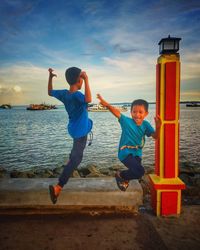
(84, 232)
(121, 231)
(90, 215)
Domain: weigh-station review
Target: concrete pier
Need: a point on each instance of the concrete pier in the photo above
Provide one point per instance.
(83, 194)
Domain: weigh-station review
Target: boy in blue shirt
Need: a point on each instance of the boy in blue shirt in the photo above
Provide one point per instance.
(79, 124)
(132, 139)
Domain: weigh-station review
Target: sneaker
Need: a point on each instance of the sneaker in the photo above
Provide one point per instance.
(121, 183)
(54, 192)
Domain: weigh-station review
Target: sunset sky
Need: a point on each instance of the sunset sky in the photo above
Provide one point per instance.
(114, 41)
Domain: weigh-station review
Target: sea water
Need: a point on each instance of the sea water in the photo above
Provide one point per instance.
(39, 139)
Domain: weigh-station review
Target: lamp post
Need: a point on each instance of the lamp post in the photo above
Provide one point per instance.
(165, 185)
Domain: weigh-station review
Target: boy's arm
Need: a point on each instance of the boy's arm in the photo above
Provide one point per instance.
(88, 96)
(158, 123)
(113, 110)
(50, 84)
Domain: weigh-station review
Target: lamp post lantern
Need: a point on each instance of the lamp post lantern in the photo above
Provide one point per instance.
(165, 185)
(169, 45)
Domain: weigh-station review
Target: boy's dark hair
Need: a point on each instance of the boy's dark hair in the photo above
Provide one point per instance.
(72, 74)
(140, 102)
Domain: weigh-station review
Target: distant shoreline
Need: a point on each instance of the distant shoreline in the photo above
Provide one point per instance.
(114, 103)
(129, 103)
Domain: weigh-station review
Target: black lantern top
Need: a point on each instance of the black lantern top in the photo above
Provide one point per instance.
(169, 45)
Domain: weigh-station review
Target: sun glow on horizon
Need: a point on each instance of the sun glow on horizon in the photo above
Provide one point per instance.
(17, 89)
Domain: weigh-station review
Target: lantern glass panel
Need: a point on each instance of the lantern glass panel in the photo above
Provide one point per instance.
(169, 45)
(176, 45)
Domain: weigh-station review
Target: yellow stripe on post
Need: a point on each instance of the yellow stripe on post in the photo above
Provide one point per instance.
(162, 94)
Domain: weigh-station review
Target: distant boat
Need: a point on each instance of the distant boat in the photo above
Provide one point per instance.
(193, 104)
(40, 107)
(100, 108)
(5, 106)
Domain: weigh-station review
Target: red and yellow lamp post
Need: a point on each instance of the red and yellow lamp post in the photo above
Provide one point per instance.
(165, 185)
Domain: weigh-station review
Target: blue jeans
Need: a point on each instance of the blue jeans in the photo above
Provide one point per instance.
(135, 169)
(75, 159)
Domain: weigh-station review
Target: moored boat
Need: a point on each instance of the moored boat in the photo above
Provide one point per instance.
(40, 107)
(5, 106)
(100, 108)
(193, 104)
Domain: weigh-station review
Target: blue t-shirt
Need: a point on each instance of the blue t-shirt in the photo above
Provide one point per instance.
(79, 124)
(132, 135)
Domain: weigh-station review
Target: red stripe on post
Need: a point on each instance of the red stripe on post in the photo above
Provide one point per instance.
(169, 151)
(170, 91)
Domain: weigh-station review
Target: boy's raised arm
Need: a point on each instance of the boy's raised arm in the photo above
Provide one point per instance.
(88, 96)
(113, 110)
(50, 85)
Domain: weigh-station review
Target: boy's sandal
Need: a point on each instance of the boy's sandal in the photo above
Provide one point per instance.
(52, 194)
(126, 184)
(123, 186)
(121, 183)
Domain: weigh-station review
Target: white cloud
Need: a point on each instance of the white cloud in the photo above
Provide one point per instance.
(191, 65)
(118, 77)
(123, 79)
(30, 79)
(190, 95)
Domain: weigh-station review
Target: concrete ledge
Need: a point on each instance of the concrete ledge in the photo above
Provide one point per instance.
(79, 194)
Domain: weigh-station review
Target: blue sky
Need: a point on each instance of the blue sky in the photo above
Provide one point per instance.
(115, 42)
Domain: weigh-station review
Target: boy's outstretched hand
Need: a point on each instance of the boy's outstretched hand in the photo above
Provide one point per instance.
(102, 101)
(115, 111)
(158, 121)
(51, 74)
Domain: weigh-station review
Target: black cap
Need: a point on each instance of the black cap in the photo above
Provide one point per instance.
(72, 75)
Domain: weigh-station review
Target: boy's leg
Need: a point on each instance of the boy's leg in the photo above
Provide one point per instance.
(135, 169)
(75, 159)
